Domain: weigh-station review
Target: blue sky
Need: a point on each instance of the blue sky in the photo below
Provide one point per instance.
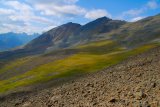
(32, 16)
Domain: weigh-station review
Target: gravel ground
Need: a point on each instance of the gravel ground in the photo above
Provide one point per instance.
(133, 83)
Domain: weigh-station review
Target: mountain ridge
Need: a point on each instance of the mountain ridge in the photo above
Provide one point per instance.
(134, 81)
(54, 35)
(60, 37)
(125, 33)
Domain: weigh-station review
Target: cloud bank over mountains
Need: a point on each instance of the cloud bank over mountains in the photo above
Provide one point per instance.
(40, 15)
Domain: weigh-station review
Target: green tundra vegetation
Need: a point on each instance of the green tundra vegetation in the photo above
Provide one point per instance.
(89, 58)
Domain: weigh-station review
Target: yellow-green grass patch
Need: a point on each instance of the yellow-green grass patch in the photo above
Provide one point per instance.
(76, 64)
(15, 63)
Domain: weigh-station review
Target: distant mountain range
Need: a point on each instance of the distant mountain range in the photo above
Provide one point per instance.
(12, 40)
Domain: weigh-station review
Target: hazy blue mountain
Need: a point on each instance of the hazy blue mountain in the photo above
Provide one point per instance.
(12, 40)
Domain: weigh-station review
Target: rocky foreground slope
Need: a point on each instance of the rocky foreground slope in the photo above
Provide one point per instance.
(133, 83)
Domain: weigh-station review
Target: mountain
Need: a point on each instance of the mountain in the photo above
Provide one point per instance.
(138, 33)
(67, 35)
(126, 33)
(70, 51)
(92, 30)
(12, 40)
(71, 33)
(55, 37)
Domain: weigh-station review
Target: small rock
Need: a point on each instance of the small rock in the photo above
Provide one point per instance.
(26, 104)
(89, 85)
(140, 95)
(49, 105)
(153, 85)
(16, 104)
(113, 100)
(55, 99)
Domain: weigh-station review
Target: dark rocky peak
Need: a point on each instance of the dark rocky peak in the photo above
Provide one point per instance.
(97, 22)
(101, 25)
(71, 24)
(103, 19)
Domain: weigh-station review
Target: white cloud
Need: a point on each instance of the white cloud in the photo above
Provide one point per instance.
(133, 12)
(24, 12)
(52, 1)
(136, 13)
(70, 1)
(6, 11)
(29, 28)
(62, 8)
(21, 17)
(58, 8)
(94, 14)
(136, 18)
(152, 4)
(18, 6)
(40, 15)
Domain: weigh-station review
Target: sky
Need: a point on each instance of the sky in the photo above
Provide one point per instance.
(37, 16)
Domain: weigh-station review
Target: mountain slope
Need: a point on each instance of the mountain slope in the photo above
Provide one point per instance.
(92, 30)
(53, 56)
(137, 33)
(64, 36)
(134, 82)
(70, 34)
(55, 36)
(63, 64)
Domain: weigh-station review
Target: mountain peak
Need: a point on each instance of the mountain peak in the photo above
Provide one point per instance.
(104, 18)
(101, 20)
(53, 37)
(71, 23)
